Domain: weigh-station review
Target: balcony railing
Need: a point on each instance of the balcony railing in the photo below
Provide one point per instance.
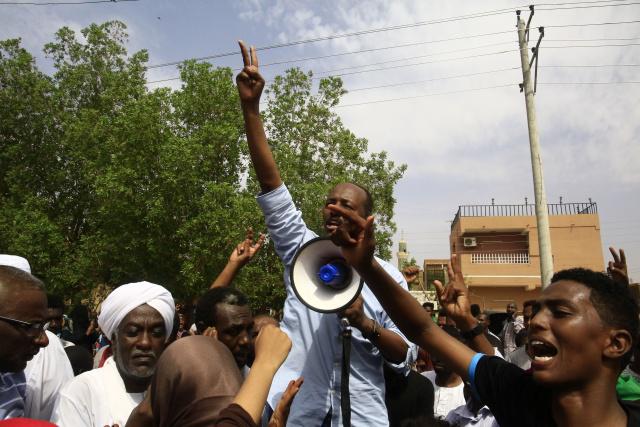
(500, 258)
(524, 210)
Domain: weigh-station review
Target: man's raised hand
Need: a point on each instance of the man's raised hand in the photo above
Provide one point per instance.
(617, 268)
(453, 297)
(247, 249)
(250, 82)
(355, 238)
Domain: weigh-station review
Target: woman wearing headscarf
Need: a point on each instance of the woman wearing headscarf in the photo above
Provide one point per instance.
(198, 384)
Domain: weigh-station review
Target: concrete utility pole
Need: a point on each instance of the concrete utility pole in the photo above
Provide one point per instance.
(542, 215)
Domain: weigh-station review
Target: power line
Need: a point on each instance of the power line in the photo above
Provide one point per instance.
(579, 2)
(590, 83)
(352, 34)
(434, 79)
(513, 85)
(360, 71)
(392, 47)
(589, 66)
(429, 55)
(588, 7)
(330, 72)
(479, 89)
(51, 3)
(590, 24)
(379, 69)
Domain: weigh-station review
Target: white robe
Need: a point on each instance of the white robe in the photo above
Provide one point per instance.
(46, 374)
(96, 398)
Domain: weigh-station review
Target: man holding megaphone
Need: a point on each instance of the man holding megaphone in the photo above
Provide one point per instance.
(317, 353)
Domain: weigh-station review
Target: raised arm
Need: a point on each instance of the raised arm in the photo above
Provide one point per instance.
(240, 256)
(454, 299)
(400, 305)
(250, 85)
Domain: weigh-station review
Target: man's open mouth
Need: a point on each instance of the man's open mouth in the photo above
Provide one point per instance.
(541, 351)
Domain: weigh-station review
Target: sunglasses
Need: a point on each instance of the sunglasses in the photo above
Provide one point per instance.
(34, 330)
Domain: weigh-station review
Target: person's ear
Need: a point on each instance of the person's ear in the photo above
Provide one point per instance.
(618, 343)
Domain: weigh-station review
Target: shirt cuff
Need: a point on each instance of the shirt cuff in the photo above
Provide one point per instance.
(274, 199)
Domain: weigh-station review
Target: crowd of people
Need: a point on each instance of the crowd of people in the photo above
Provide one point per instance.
(570, 358)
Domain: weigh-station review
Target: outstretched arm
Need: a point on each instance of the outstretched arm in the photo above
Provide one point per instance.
(241, 255)
(400, 305)
(250, 85)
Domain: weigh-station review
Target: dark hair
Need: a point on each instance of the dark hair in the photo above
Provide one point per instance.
(612, 300)
(475, 310)
(55, 301)
(428, 304)
(206, 308)
(368, 203)
(80, 358)
(12, 277)
(528, 303)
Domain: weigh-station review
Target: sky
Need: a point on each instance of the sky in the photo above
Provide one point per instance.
(449, 106)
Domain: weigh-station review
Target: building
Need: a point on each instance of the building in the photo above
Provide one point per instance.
(402, 254)
(498, 248)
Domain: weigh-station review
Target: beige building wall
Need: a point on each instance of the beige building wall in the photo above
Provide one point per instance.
(505, 264)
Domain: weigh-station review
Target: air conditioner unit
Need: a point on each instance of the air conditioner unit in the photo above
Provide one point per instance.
(470, 242)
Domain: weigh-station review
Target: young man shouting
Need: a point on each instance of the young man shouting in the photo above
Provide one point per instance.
(581, 336)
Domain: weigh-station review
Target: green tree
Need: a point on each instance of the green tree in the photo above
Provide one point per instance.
(103, 181)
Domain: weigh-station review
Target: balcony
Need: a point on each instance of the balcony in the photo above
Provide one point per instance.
(500, 258)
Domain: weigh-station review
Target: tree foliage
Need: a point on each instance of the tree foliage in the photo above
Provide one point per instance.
(103, 181)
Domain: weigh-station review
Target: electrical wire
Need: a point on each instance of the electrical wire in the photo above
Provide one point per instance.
(51, 3)
(479, 89)
(434, 79)
(351, 34)
(587, 7)
(513, 85)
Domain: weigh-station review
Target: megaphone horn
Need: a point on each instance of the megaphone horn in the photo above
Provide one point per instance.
(321, 278)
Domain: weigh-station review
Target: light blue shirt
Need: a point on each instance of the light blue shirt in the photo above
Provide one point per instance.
(13, 387)
(316, 353)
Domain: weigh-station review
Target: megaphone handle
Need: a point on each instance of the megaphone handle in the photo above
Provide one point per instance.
(345, 397)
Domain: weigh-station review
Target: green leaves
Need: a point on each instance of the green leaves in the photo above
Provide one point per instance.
(103, 181)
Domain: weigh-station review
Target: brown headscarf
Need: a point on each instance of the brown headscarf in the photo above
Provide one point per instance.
(196, 377)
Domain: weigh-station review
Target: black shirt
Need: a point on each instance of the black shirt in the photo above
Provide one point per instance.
(407, 397)
(516, 400)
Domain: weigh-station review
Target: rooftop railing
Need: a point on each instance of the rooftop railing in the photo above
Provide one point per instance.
(524, 210)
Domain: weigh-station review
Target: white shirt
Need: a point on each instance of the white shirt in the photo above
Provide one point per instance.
(520, 358)
(445, 399)
(96, 398)
(463, 417)
(46, 374)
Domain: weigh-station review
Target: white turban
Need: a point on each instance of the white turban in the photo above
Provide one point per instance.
(128, 297)
(15, 261)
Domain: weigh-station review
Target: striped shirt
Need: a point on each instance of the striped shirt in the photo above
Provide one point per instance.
(13, 387)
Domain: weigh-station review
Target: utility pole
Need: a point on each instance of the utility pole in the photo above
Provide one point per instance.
(542, 214)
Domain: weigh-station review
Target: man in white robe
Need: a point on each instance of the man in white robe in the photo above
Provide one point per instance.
(138, 318)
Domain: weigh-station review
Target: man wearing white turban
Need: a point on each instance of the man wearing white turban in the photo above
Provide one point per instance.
(138, 318)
